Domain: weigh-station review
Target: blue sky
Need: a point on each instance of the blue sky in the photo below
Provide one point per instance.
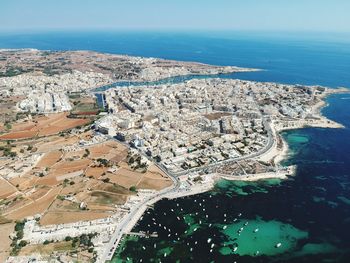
(274, 15)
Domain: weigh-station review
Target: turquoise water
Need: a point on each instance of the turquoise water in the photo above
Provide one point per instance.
(308, 214)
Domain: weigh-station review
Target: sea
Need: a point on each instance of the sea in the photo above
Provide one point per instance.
(303, 219)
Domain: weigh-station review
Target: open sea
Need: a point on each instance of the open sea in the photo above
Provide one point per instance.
(308, 214)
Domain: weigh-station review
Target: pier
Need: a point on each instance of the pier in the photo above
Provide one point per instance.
(143, 234)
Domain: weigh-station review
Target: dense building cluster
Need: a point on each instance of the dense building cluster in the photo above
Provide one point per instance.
(200, 122)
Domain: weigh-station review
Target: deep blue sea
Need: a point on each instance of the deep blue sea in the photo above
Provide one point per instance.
(308, 214)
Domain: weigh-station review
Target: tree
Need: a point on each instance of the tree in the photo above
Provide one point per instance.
(87, 153)
(133, 189)
(23, 243)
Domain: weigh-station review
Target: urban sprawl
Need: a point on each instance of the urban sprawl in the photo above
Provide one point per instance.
(79, 173)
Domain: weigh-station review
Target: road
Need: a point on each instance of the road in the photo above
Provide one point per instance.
(271, 140)
(131, 219)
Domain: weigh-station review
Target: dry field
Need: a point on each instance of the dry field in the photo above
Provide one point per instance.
(6, 189)
(64, 217)
(8, 109)
(42, 126)
(58, 142)
(49, 159)
(5, 241)
(216, 115)
(46, 249)
(33, 207)
(78, 176)
(153, 178)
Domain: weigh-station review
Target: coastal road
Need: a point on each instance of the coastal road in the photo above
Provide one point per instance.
(133, 216)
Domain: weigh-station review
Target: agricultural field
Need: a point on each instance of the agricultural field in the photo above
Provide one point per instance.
(42, 126)
(83, 105)
(72, 183)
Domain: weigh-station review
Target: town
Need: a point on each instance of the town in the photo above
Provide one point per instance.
(78, 172)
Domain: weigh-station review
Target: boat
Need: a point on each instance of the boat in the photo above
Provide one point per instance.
(256, 230)
(278, 245)
(212, 245)
(224, 227)
(234, 249)
(209, 240)
(240, 214)
(246, 223)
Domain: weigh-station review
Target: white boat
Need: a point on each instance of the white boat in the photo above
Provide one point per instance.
(209, 240)
(256, 230)
(224, 227)
(235, 248)
(278, 245)
(212, 245)
(240, 214)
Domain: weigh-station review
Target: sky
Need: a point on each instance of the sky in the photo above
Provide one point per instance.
(268, 15)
